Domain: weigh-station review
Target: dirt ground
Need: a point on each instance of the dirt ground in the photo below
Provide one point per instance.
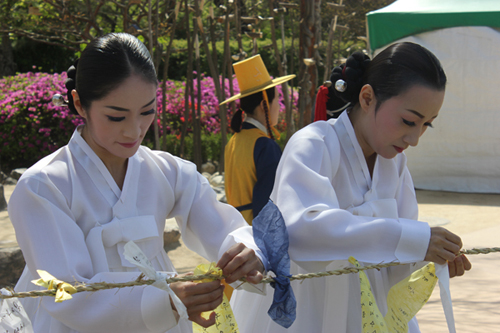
(474, 217)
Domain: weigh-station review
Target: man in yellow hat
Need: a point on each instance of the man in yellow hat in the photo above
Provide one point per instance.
(252, 155)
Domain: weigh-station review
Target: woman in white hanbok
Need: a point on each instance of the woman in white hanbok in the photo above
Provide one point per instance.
(75, 209)
(344, 190)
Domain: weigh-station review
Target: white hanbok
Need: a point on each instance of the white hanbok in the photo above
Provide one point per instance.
(334, 209)
(72, 220)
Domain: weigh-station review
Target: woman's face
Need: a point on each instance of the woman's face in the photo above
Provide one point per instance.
(401, 120)
(116, 124)
(275, 108)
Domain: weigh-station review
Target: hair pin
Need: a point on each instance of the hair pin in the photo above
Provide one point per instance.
(340, 85)
(58, 100)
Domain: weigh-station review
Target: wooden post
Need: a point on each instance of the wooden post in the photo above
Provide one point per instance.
(310, 37)
(238, 30)
(189, 82)
(3, 202)
(227, 58)
(150, 40)
(165, 76)
(212, 60)
(289, 117)
(328, 66)
(197, 113)
(281, 68)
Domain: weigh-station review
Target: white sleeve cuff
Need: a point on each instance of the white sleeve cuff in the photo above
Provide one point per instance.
(156, 310)
(244, 235)
(414, 241)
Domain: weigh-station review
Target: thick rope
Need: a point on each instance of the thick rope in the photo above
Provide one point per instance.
(140, 281)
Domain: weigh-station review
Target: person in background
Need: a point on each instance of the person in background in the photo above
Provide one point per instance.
(74, 210)
(252, 154)
(344, 190)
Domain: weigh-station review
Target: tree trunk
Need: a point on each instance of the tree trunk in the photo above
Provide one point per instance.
(197, 106)
(328, 65)
(310, 37)
(227, 58)
(3, 202)
(150, 42)
(237, 16)
(212, 61)
(165, 76)
(289, 117)
(281, 68)
(189, 82)
(7, 64)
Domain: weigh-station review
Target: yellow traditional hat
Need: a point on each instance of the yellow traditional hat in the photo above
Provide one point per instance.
(253, 77)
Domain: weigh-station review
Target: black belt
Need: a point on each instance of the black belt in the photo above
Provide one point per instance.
(244, 207)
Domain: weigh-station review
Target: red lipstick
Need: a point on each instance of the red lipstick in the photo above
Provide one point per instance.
(398, 149)
(128, 145)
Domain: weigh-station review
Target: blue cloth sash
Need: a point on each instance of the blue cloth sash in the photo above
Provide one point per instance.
(271, 236)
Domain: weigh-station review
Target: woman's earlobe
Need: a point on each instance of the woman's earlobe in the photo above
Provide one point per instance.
(367, 97)
(78, 104)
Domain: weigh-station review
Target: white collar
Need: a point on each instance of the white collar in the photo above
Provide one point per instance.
(256, 123)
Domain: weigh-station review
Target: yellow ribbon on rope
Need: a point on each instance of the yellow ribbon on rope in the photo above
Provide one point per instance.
(404, 300)
(63, 289)
(224, 317)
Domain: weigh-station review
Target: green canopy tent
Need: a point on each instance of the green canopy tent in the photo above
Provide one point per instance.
(462, 152)
(410, 17)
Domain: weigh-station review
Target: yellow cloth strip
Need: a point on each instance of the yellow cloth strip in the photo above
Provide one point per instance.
(224, 317)
(63, 289)
(404, 300)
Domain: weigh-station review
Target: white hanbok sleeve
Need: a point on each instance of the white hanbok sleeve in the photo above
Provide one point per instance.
(51, 240)
(318, 228)
(208, 227)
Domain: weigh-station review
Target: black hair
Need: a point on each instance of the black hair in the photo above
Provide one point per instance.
(248, 105)
(105, 63)
(335, 105)
(392, 72)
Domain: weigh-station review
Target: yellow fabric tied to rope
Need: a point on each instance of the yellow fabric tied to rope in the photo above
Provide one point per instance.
(224, 317)
(63, 289)
(404, 300)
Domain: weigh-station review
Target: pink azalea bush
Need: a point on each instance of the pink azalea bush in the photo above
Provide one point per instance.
(210, 120)
(31, 127)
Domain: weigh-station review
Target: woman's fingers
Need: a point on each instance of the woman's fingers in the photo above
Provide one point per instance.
(240, 261)
(198, 298)
(248, 270)
(202, 321)
(443, 246)
(454, 239)
(255, 276)
(203, 302)
(456, 267)
(459, 265)
(228, 258)
(467, 264)
(187, 289)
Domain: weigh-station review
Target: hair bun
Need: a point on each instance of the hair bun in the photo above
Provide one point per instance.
(352, 73)
(70, 85)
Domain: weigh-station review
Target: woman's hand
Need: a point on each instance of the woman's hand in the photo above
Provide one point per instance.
(443, 246)
(199, 297)
(459, 265)
(240, 261)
